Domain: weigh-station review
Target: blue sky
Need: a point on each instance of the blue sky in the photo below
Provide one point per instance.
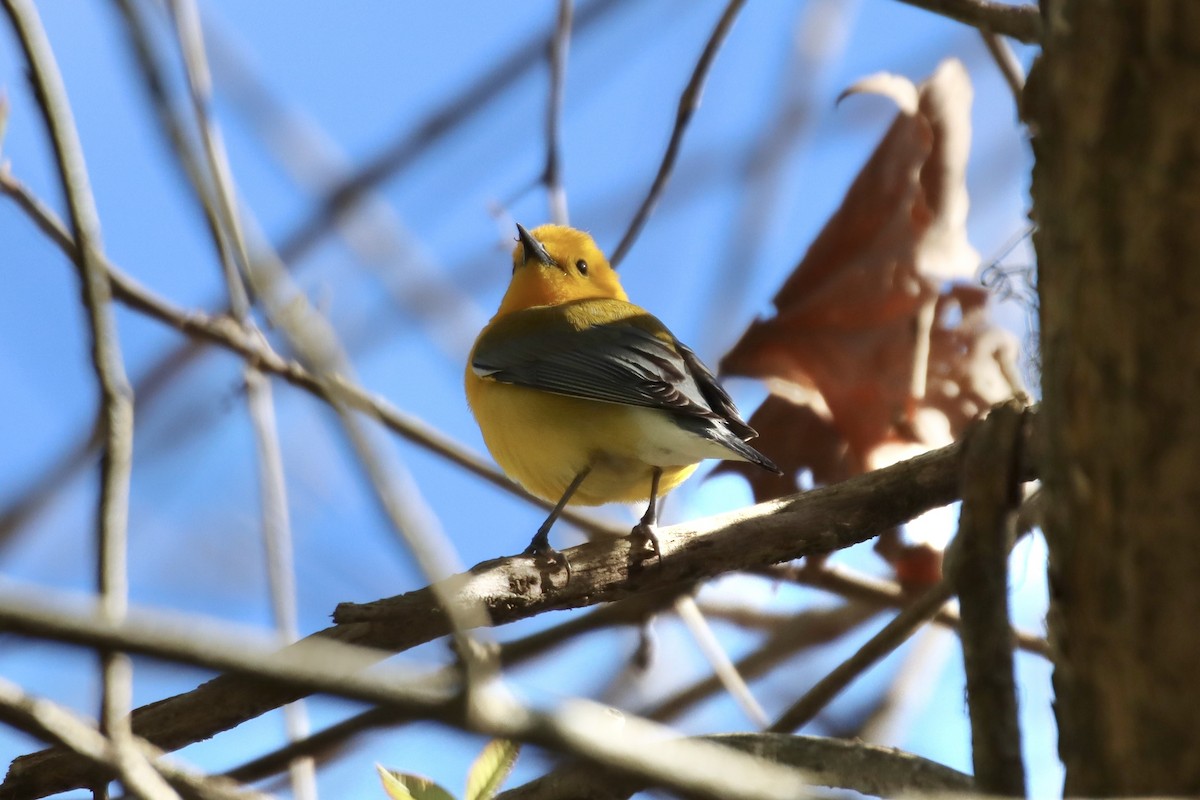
(362, 76)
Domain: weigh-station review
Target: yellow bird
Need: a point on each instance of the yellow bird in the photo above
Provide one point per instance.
(584, 397)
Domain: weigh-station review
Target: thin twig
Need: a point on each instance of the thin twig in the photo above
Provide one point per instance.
(1006, 61)
(552, 175)
(231, 248)
(116, 396)
(765, 182)
(689, 101)
(417, 284)
(881, 644)
(399, 497)
(54, 724)
(343, 197)
(632, 611)
(221, 202)
(223, 332)
(724, 670)
(858, 586)
(804, 630)
(152, 72)
(980, 571)
(280, 561)
(626, 612)
(1022, 22)
(315, 745)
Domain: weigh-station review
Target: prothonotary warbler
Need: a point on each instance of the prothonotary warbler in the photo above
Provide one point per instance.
(584, 397)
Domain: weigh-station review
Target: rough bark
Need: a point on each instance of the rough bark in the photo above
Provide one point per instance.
(1114, 105)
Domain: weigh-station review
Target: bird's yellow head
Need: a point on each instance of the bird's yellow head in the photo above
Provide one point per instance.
(554, 264)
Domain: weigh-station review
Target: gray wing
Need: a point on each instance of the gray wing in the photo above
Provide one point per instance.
(612, 363)
(617, 363)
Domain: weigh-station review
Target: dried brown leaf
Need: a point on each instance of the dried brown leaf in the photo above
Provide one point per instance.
(865, 345)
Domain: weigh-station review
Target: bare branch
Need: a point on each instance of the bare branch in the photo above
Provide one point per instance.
(635, 747)
(723, 667)
(316, 745)
(280, 561)
(853, 585)
(116, 396)
(894, 634)
(552, 176)
(858, 766)
(631, 611)
(375, 234)
(806, 629)
(152, 73)
(343, 197)
(979, 567)
(397, 493)
(224, 332)
(818, 521)
(55, 724)
(689, 101)
(1022, 23)
(221, 208)
(1006, 62)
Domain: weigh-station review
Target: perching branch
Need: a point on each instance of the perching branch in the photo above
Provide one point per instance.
(116, 397)
(689, 101)
(1022, 23)
(819, 521)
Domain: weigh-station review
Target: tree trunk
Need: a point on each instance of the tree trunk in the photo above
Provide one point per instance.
(1114, 105)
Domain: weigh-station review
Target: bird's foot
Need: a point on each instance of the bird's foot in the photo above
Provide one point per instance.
(644, 534)
(540, 549)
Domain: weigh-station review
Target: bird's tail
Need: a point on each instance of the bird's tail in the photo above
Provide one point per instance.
(744, 451)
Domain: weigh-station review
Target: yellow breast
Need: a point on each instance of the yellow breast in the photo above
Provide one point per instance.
(544, 440)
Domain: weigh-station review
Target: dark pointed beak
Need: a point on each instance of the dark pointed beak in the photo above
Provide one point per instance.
(533, 248)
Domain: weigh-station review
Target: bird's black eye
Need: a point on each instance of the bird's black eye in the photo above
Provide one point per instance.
(581, 265)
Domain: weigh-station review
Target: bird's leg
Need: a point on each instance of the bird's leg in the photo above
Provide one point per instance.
(644, 530)
(540, 546)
